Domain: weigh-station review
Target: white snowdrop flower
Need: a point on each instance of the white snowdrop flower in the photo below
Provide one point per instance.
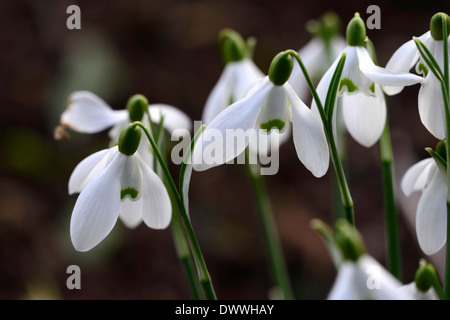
(363, 103)
(114, 183)
(411, 289)
(269, 104)
(430, 101)
(431, 214)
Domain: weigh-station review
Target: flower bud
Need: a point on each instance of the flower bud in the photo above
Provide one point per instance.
(424, 276)
(356, 31)
(436, 25)
(129, 139)
(137, 105)
(281, 68)
(326, 27)
(232, 46)
(349, 240)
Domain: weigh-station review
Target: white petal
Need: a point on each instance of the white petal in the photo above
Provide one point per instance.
(262, 142)
(309, 137)
(346, 285)
(211, 149)
(233, 82)
(131, 211)
(381, 75)
(220, 96)
(403, 59)
(88, 113)
(89, 168)
(157, 211)
(431, 106)
(412, 291)
(431, 217)
(365, 116)
(97, 208)
(131, 180)
(274, 107)
(377, 282)
(352, 79)
(416, 176)
(174, 118)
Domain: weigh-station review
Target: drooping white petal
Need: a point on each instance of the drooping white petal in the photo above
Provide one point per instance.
(131, 180)
(274, 108)
(220, 96)
(346, 285)
(174, 118)
(380, 284)
(235, 78)
(431, 106)
(213, 148)
(365, 116)
(411, 290)
(89, 168)
(157, 208)
(431, 216)
(97, 207)
(352, 79)
(88, 113)
(416, 176)
(381, 75)
(403, 59)
(365, 279)
(131, 211)
(309, 137)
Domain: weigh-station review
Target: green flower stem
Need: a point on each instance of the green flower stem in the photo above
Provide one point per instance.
(203, 274)
(184, 254)
(178, 235)
(270, 234)
(346, 198)
(446, 96)
(390, 207)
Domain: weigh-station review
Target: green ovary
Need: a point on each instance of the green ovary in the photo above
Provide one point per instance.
(274, 123)
(349, 84)
(133, 193)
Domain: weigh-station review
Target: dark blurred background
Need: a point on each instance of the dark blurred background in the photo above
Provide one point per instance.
(167, 50)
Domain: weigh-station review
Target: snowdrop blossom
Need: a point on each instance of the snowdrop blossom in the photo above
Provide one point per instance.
(430, 101)
(112, 185)
(268, 107)
(366, 279)
(431, 214)
(363, 103)
(88, 113)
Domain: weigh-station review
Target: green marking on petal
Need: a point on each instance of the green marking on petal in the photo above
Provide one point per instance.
(133, 193)
(372, 88)
(423, 69)
(274, 123)
(349, 84)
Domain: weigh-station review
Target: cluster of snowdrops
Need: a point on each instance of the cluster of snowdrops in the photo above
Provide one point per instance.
(131, 180)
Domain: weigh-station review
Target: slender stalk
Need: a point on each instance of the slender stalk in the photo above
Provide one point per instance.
(270, 234)
(446, 96)
(390, 208)
(178, 235)
(346, 198)
(202, 269)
